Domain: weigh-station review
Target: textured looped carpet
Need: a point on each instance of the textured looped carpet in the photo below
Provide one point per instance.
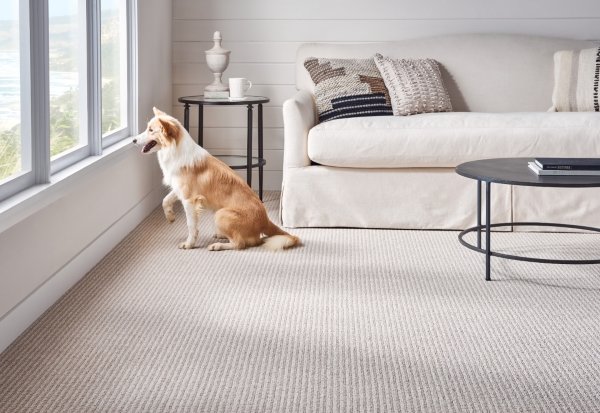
(354, 321)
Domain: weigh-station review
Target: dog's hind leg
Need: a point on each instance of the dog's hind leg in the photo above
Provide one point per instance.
(227, 221)
(167, 205)
(192, 208)
(233, 225)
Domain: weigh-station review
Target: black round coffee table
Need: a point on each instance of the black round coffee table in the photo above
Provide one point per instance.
(515, 171)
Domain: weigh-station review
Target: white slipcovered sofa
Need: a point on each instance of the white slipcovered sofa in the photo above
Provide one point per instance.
(398, 171)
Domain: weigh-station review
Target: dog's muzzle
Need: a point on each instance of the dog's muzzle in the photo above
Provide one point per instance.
(142, 139)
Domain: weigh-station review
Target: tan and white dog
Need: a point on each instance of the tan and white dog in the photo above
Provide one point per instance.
(201, 182)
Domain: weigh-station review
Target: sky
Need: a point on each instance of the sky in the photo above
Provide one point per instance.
(9, 9)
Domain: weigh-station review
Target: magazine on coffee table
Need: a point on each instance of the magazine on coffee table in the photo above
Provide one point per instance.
(569, 164)
(562, 172)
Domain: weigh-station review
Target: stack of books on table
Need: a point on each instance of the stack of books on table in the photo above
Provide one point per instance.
(565, 166)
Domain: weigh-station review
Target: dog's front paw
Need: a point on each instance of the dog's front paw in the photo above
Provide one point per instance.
(170, 215)
(186, 246)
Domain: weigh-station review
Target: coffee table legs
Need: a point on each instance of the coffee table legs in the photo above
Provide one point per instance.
(488, 219)
(487, 250)
(488, 222)
(479, 214)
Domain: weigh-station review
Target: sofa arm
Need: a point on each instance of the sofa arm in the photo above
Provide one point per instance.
(298, 118)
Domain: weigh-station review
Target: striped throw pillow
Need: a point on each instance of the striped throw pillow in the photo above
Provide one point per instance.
(576, 77)
(347, 88)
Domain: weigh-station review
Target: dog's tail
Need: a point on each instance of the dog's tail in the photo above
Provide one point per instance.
(277, 239)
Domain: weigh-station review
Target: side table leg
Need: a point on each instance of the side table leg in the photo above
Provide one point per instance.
(201, 125)
(260, 151)
(186, 117)
(479, 214)
(488, 219)
(249, 149)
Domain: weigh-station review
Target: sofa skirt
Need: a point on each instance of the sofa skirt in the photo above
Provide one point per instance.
(420, 198)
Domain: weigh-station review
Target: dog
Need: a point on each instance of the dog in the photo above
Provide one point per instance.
(203, 182)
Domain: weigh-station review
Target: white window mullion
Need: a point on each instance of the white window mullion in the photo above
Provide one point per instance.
(40, 95)
(94, 77)
(132, 61)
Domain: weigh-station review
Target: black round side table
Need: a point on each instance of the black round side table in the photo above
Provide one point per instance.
(234, 161)
(515, 171)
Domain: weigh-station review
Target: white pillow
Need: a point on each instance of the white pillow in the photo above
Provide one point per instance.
(576, 76)
(415, 85)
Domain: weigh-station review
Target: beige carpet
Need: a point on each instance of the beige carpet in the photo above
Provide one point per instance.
(354, 321)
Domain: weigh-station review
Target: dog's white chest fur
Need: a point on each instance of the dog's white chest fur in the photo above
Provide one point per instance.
(168, 169)
(173, 159)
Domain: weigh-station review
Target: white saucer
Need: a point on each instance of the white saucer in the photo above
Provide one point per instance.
(237, 99)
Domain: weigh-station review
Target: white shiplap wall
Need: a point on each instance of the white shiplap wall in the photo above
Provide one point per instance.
(263, 36)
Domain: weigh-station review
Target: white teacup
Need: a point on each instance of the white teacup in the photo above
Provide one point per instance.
(238, 86)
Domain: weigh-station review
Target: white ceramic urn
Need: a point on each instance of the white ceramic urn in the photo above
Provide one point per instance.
(217, 60)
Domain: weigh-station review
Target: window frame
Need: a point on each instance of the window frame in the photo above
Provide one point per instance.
(35, 96)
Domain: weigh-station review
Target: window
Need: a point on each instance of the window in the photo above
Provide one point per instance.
(67, 67)
(15, 156)
(114, 66)
(65, 76)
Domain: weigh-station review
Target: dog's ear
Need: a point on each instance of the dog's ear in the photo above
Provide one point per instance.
(171, 130)
(158, 112)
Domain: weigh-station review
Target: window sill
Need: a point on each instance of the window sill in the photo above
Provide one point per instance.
(26, 203)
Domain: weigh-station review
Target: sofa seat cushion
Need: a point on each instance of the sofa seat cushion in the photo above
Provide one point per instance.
(448, 139)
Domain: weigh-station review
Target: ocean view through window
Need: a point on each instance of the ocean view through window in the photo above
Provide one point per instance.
(114, 65)
(67, 75)
(64, 85)
(11, 148)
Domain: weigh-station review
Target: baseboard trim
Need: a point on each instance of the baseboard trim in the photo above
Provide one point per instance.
(19, 318)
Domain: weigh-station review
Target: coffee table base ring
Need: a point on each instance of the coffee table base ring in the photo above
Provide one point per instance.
(481, 228)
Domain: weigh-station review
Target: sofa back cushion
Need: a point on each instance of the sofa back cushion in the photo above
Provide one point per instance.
(348, 88)
(482, 72)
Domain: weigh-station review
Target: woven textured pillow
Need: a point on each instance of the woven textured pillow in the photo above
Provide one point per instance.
(576, 77)
(415, 85)
(347, 88)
